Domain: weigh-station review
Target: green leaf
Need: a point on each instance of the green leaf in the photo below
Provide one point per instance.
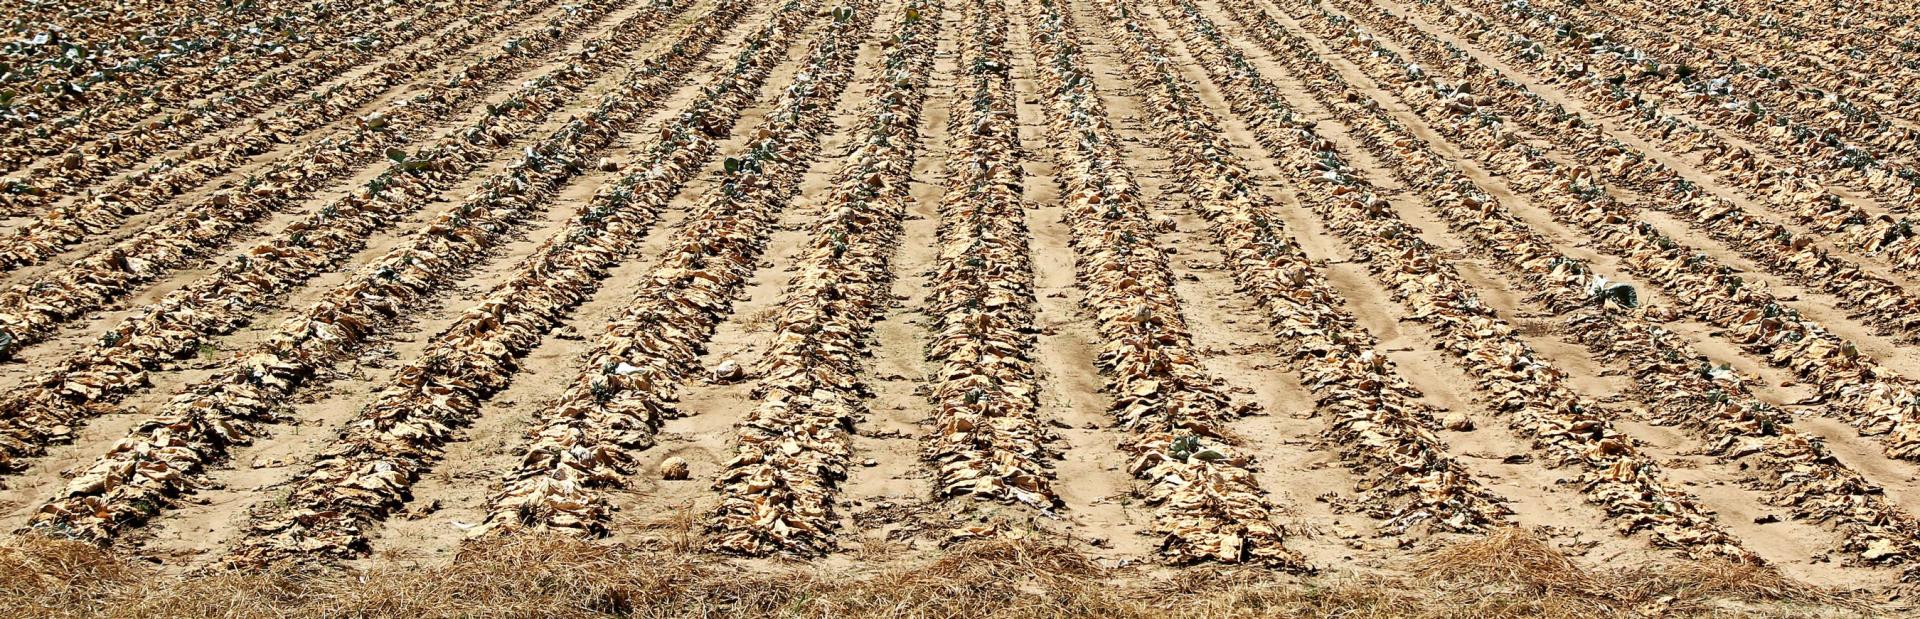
(397, 155)
(913, 16)
(732, 165)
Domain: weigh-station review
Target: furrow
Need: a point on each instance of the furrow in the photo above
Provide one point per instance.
(988, 441)
(1791, 191)
(1388, 435)
(1714, 403)
(30, 310)
(1569, 427)
(1206, 502)
(1873, 397)
(1837, 148)
(367, 472)
(167, 455)
(582, 446)
(1851, 109)
(93, 137)
(155, 65)
(106, 208)
(793, 449)
(1799, 256)
(55, 403)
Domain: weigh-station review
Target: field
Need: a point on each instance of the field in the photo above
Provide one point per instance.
(959, 308)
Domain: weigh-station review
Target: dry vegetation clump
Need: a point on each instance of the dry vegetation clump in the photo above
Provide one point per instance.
(1511, 573)
(1026, 309)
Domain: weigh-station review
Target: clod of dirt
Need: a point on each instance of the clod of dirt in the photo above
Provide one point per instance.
(675, 469)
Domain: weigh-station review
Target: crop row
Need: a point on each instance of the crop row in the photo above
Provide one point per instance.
(31, 310)
(1515, 380)
(1759, 96)
(1386, 434)
(168, 454)
(1837, 32)
(183, 320)
(62, 218)
(1787, 189)
(64, 64)
(1827, 154)
(367, 472)
(583, 446)
(793, 449)
(1206, 502)
(77, 37)
(1712, 402)
(1872, 396)
(1826, 58)
(238, 92)
(988, 441)
(1816, 90)
(1885, 304)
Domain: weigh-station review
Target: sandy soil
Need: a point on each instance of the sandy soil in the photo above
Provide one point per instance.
(886, 506)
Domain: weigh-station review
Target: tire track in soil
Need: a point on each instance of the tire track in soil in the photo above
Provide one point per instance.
(1534, 492)
(19, 492)
(1100, 508)
(653, 511)
(454, 495)
(214, 515)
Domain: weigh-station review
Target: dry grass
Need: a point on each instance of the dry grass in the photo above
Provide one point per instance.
(1509, 574)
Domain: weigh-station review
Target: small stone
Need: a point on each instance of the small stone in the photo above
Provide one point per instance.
(675, 469)
(869, 462)
(1457, 421)
(727, 371)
